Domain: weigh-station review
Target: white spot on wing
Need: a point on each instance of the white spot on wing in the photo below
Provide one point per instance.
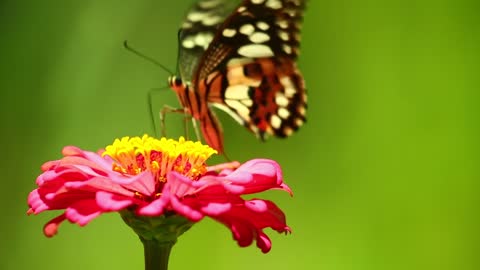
(275, 121)
(188, 43)
(263, 25)
(274, 4)
(298, 122)
(187, 25)
(301, 110)
(237, 92)
(282, 23)
(247, 29)
(283, 35)
(290, 89)
(287, 48)
(239, 61)
(248, 102)
(288, 131)
(196, 16)
(259, 37)
(292, 13)
(255, 51)
(202, 39)
(211, 20)
(281, 100)
(257, 2)
(286, 82)
(228, 32)
(208, 4)
(283, 113)
(229, 111)
(241, 109)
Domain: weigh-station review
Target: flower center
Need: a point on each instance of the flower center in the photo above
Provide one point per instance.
(160, 156)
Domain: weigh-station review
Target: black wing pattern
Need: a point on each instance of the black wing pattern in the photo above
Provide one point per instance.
(198, 30)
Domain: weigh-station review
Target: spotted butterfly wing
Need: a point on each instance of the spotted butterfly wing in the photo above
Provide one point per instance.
(246, 69)
(198, 30)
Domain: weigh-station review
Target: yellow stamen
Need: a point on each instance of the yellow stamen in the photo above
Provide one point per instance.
(160, 156)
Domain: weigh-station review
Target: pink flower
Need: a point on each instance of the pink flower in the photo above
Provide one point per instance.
(154, 177)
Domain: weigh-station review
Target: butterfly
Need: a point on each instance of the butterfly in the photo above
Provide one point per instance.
(240, 57)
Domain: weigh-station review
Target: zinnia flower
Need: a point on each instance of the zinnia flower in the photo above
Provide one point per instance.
(148, 179)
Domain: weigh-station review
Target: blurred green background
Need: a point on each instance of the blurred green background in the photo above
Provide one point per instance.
(385, 172)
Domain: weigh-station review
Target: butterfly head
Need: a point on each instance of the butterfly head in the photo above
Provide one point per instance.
(176, 83)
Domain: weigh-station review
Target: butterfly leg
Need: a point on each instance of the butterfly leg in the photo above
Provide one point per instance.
(168, 109)
(195, 127)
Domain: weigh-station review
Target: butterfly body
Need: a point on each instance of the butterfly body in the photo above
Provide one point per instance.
(192, 104)
(242, 61)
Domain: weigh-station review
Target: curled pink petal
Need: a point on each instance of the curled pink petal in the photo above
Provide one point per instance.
(82, 212)
(263, 242)
(51, 228)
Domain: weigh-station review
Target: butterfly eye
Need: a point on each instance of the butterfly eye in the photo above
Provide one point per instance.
(175, 81)
(178, 81)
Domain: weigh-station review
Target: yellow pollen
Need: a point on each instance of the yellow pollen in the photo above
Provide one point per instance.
(133, 155)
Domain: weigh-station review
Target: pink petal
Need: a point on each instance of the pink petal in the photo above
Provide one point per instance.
(248, 221)
(36, 203)
(143, 182)
(252, 177)
(256, 205)
(265, 167)
(215, 209)
(95, 184)
(180, 185)
(82, 212)
(51, 228)
(185, 210)
(263, 242)
(87, 155)
(155, 208)
(242, 233)
(112, 202)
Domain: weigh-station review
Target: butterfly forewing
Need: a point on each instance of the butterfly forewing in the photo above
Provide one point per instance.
(198, 30)
(249, 69)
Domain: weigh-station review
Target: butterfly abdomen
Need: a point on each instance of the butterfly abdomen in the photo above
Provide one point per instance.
(193, 102)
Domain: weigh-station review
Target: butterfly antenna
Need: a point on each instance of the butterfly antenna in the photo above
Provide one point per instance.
(152, 117)
(149, 59)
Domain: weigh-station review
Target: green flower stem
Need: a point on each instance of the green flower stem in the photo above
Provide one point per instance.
(156, 254)
(158, 235)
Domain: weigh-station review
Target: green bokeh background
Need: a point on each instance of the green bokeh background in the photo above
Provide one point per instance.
(385, 172)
